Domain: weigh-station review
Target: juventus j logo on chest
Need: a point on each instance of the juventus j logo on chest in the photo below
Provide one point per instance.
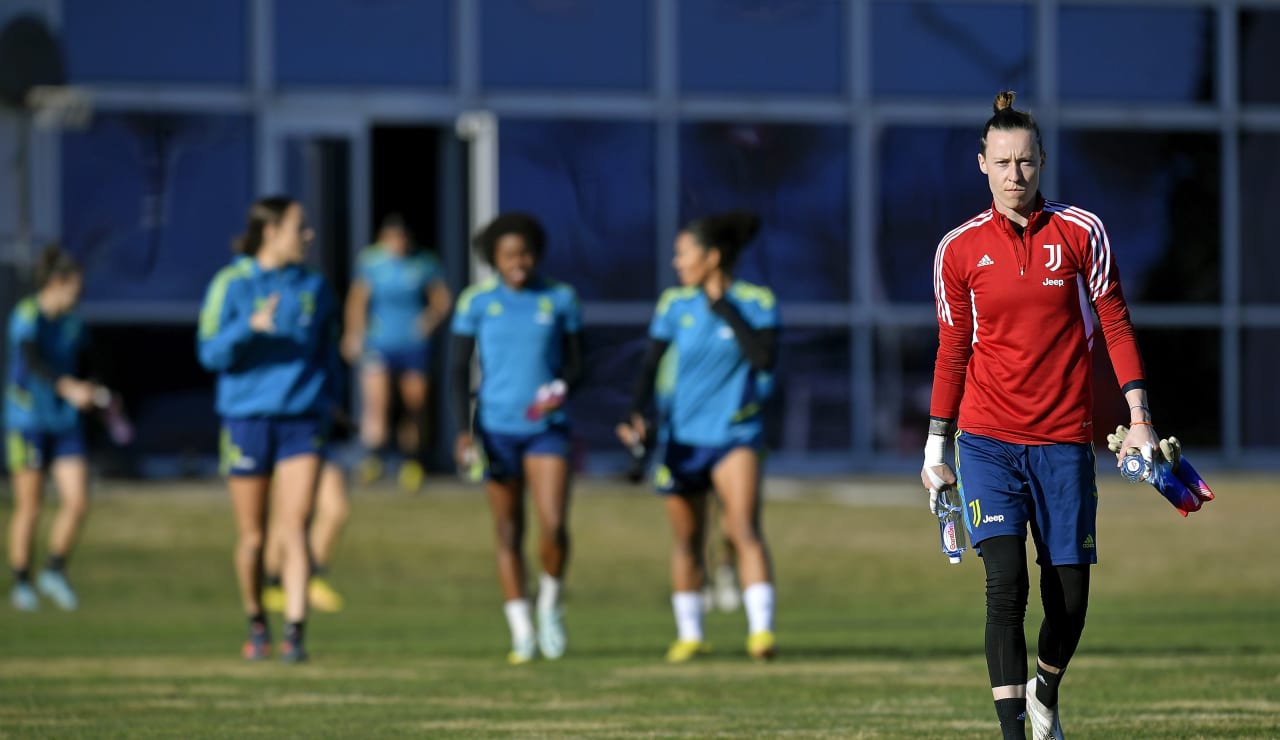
(1054, 260)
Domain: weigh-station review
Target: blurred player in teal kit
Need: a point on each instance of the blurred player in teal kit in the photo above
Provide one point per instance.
(397, 301)
(269, 329)
(723, 333)
(526, 329)
(43, 400)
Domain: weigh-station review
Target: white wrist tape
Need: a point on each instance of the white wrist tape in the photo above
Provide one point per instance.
(934, 447)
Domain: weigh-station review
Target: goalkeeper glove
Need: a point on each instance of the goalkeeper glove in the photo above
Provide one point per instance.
(1172, 473)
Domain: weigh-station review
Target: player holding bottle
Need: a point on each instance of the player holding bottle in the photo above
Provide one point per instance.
(1016, 289)
(723, 334)
(527, 330)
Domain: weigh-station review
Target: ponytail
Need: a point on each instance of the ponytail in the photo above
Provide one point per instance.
(727, 233)
(54, 263)
(1008, 118)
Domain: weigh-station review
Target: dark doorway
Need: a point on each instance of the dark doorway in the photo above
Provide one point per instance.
(418, 172)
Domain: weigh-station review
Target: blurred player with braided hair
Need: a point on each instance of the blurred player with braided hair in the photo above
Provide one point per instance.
(1016, 288)
(526, 330)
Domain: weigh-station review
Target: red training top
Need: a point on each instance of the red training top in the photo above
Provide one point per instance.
(1015, 330)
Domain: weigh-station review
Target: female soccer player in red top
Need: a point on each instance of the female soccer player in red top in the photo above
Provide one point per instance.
(1016, 289)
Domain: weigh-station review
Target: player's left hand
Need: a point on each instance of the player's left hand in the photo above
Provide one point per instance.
(1142, 437)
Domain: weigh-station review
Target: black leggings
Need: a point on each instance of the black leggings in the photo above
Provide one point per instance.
(1064, 589)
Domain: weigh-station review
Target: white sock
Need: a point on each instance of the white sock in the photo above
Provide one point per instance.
(688, 608)
(548, 592)
(519, 619)
(759, 601)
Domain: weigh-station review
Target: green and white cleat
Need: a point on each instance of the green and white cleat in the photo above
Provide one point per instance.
(552, 639)
(53, 584)
(23, 598)
(1045, 724)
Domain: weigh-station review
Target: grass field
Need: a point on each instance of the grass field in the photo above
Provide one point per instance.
(880, 637)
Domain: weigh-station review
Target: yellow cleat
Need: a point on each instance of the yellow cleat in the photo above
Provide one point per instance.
(411, 476)
(761, 645)
(683, 651)
(369, 470)
(322, 597)
(273, 599)
(522, 652)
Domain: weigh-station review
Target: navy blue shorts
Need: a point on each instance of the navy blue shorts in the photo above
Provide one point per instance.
(1052, 487)
(685, 470)
(36, 450)
(397, 361)
(253, 447)
(505, 453)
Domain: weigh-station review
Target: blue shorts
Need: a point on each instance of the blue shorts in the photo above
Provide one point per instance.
(685, 470)
(505, 453)
(398, 361)
(36, 450)
(1052, 487)
(253, 447)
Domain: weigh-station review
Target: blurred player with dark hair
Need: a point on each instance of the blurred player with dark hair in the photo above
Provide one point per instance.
(269, 329)
(723, 333)
(526, 329)
(395, 304)
(1017, 287)
(43, 400)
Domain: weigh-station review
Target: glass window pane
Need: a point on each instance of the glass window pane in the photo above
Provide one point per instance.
(797, 179)
(591, 184)
(1158, 195)
(810, 408)
(347, 42)
(147, 41)
(904, 383)
(1123, 53)
(783, 46)
(929, 184)
(1259, 194)
(1184, 380)
(1259, 39)
(937, 48)
(565, 43)
(1261, 392)
(150, 202)
(611, 360)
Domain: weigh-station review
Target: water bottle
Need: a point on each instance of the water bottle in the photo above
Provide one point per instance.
(951, 524)
(1135, 468)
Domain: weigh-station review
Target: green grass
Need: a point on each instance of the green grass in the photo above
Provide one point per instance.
(880, 637)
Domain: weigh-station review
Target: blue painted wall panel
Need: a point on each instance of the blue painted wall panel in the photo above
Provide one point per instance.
(364, 42)
(200, 41)
(556, 44)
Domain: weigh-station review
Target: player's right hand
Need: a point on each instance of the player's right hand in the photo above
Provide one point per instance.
(79, 393)
(263, 319)
(464, 450)
(351, 346)
(936, 478)
(634, 433)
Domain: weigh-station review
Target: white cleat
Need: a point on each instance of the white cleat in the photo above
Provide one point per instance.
(552, 639)
(1045, 724)
(726, 594)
